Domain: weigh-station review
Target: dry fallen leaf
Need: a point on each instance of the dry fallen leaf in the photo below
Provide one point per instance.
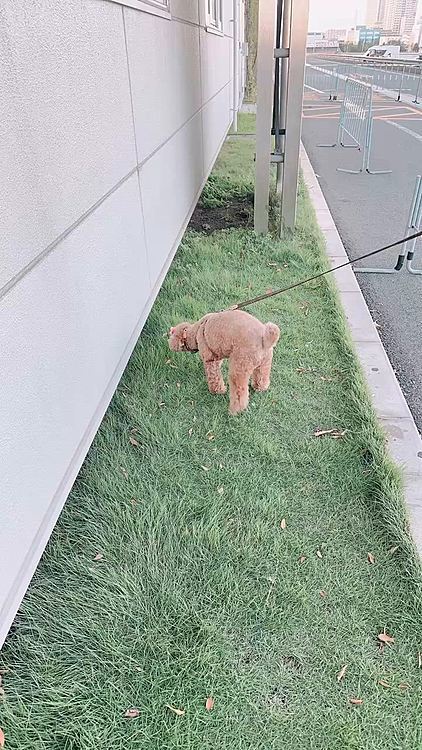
(2, 738)
(305, 370)
(356, 701)
(98, 556)
(334, 433)
(371, 558)
(302, 559)
(384, 683)
(404, 686)
(385, 638)
(319, 554)
(392, 550)
(220, 490)
(133, 441)
(283, 523)
(132, 713)
(210, 436)
(206, 468)
(190, 431)
(323, 594)
(341, 673)
(177, 711)
(419, 659)
(209, 704)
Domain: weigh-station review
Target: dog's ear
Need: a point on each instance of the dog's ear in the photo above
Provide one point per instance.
(172, 329)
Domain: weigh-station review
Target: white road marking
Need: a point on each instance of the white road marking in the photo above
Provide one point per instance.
(418, 136)
(317, 90)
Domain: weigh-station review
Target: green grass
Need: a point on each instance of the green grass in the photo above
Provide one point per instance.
(246, 123)
(221, 191)
(200, 592)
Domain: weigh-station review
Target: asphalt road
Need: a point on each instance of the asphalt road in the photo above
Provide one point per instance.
(371, 211)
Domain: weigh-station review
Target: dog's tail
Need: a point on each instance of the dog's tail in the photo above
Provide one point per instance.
(271, 335)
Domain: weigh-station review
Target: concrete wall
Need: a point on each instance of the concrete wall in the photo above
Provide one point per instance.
(111, 118)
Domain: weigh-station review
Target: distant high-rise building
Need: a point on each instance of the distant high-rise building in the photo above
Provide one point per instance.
(409, 18)
(372, 12)
(381, 12)
(399, 16)
(375, 12)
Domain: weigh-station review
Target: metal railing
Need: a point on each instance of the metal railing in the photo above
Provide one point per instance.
(398, 76)
(322, 81)
(356, 124)
(407, 249)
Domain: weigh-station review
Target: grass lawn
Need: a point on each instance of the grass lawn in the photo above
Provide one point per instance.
(202, 555)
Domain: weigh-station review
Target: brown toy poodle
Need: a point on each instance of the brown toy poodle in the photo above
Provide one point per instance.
(234, 335)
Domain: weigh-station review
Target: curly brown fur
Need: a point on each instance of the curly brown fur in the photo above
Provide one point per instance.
(234, 335)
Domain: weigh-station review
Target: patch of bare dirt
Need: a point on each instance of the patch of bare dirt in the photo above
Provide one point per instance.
(236, 214)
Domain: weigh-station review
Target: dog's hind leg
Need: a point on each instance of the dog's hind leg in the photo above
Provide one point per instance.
(214, 377)
(261, 375)
(239, 386)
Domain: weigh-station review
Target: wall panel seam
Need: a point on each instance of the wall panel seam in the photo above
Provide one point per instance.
(6, 288)
(141, 208)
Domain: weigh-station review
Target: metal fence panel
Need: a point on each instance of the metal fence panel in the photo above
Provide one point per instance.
(355, 111)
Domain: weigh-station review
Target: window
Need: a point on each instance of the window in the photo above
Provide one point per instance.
(156, 7)
(159, 3)
(214, 14)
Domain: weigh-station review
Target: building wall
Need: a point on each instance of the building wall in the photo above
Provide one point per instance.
(111, 119)
(372, 12)
(409, 18)
(335, 35)
(399, 16)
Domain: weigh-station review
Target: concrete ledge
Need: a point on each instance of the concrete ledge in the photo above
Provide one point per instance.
(404, 441)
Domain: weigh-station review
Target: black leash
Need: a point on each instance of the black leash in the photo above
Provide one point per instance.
(261, 297)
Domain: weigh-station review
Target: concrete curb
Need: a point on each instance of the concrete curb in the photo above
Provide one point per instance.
(405, 443)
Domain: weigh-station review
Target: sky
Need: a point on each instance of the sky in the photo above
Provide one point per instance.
(337, 14)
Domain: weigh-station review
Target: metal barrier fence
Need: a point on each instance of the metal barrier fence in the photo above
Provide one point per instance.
(407, 250)
(331, 81)
(399, 77)
(355, 124)
(322, 81)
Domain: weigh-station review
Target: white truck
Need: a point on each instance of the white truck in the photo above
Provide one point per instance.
(384, 51)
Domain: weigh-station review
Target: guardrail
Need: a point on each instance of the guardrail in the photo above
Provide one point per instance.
(399, 76)
(322, 81)
(356, 123)
(407, 249)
